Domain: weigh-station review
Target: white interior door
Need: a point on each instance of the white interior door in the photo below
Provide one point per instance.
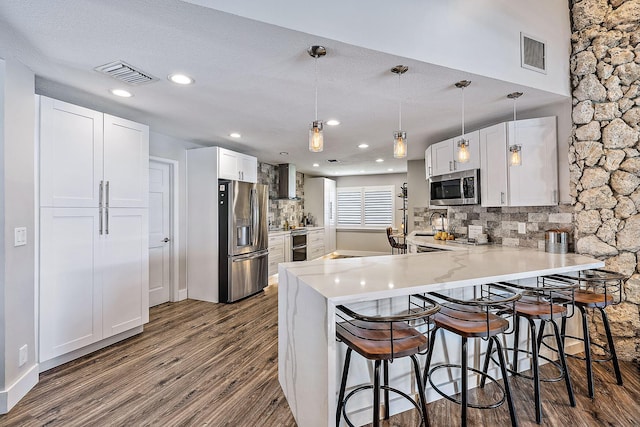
(159, 232)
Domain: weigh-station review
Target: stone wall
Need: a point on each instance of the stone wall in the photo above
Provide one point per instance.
(279, 209)
(604, 156)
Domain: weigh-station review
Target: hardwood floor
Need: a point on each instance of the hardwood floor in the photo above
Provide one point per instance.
(215, 364)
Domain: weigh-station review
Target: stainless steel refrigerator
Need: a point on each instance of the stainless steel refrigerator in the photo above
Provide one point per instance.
(243, 240)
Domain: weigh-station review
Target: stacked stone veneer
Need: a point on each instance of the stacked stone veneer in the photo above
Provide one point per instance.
(604, 156)
(281, 210)
(501, 224)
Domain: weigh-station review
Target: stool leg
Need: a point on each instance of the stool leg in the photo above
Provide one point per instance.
(376, 394)
(587, 350)
(485, 367)
(464, 379)
(516, 343)
(563, 360)
(540, 334)
(385, 365)
(427, 365)
(536, 370)
(343, 384)
(612, 348)
(423, 395)
(505, 378)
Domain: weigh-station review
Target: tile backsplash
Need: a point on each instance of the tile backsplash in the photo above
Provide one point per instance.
(501, 224)
(280, 209)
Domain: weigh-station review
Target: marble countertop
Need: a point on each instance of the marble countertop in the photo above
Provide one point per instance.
(275, 232)
(369, 278)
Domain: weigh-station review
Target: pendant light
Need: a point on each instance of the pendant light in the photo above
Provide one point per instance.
(316, 139)
(399, 136)
(515, 158)
(463, 144)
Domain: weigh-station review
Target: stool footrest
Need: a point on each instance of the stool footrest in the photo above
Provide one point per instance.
(471, 405)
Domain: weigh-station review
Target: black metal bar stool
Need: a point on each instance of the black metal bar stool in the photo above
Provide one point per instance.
(597, 289)
(384, 339)
(483, 316)
(400, 247)
(544, 302)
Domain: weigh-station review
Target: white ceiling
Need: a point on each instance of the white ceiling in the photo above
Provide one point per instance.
(251, 77)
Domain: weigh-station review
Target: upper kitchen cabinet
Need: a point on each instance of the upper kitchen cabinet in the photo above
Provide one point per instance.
(427, 161)
(87, 157)
(320, 201)
(535, 181)
(444, 158)
(237, 166)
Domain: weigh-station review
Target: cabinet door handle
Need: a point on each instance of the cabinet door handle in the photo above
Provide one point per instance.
(107, 198)
(502, 198)
(430, 171)
(106, 219)
(100, 194)
(100, 219)
(454, 166)
(555, 196)
(450, 169)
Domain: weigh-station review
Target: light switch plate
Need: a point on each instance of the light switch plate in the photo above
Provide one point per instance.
(19, 236)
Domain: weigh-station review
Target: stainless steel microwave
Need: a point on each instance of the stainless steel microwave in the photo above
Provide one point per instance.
(453, 189)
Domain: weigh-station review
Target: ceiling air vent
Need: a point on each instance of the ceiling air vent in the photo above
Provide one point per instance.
(124, 72)
(533, 53)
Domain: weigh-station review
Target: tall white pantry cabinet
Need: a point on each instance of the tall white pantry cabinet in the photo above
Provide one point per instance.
(94, 262)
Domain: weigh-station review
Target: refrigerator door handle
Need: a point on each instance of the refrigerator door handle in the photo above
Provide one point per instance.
(252, 255)
(254, 217)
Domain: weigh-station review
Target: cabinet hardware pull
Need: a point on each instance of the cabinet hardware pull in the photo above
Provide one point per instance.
(502, 198)
(107, 198)
(555, 196)
(430, 171)
(106, 217)
(100, 194)
(100, 219)
(454, 166)
(450, 168)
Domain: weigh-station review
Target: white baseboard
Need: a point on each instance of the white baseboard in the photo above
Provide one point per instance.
(68, 357)
(182, 294)
(12, 395)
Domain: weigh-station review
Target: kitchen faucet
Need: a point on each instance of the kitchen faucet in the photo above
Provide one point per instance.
(442, 218)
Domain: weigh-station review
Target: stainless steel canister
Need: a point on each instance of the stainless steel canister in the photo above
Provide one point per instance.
(556, 241)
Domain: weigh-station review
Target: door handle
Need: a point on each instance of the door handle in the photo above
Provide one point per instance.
(166, 240)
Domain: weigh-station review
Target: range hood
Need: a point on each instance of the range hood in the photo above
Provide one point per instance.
(287, 176)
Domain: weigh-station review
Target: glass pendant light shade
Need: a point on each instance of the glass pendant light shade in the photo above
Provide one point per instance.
(515, 159)
(463, 151)
(399, 144)
(316, 139)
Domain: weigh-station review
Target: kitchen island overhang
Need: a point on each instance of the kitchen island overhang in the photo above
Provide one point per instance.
(308, 293)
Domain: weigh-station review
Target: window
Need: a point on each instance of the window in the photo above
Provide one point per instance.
(365, 207)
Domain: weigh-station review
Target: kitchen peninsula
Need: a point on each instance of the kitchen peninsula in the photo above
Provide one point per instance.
(309, 357)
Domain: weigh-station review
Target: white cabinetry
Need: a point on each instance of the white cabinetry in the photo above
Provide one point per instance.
(94, 271)
(276, 251)
(315, 244)
(444, 155)
(428, 165)
(237, 166)
(320, 202)
(535, 182)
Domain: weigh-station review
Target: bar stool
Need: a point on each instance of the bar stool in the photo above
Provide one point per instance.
(384, 339)
(541, 302)
(401, 247)
(481, 317)
(597, 289)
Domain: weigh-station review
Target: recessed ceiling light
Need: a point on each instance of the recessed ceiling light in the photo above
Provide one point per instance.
(181, 79)
(121, 93)
(235, 135)
(315, 165)
(284, 153)
(333, 122)
(363, 145)
(379, 160)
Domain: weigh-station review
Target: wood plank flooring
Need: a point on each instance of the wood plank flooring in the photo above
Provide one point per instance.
(200, 364)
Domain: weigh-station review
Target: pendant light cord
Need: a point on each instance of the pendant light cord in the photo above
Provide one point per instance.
(399, 105)
(463, 113)
(316, 81)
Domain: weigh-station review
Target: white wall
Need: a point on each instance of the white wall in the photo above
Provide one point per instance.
(17, 209)
(371, 241)
(418, 188)
(175, 149)
(477, 36)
